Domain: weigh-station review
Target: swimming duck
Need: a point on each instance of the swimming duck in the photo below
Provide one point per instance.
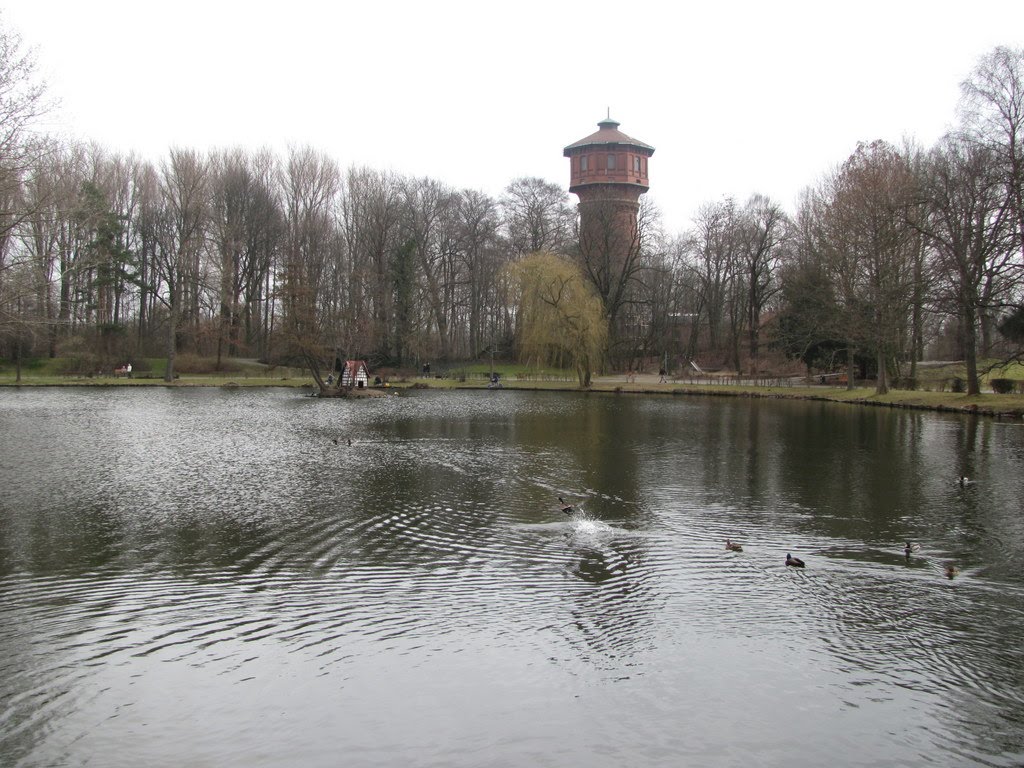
(733, 546)
(567, 508)
(796, 562)
(964, 480)
(911, 547)
(951, 571)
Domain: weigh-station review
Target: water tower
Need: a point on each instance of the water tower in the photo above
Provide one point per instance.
(608, 172)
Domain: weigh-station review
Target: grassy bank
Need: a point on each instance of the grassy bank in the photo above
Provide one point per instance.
(191, 372)
(251, 374)
(1011, 405)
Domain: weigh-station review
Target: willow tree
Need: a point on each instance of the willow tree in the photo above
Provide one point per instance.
(561, 320)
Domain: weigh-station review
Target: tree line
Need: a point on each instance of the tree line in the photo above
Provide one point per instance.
(898, 253)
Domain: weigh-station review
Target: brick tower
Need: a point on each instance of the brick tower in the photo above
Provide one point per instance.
(608, 172)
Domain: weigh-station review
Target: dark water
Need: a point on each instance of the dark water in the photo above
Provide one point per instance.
(203, 578)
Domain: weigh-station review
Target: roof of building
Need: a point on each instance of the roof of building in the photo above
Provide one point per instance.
(608, 133)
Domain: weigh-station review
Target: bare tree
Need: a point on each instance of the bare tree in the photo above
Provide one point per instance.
(22, 102)
(246, 230)
(614, 237)
(478, 223)
(871, 243)
(429, 209)
(967, 228)
(46, 235)
(762, 238)
(371, 220)
(180, 238)
(311, 183)
(992, 111)
(537, 216)
(712, 249)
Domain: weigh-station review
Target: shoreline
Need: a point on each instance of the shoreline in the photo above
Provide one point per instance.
(991, 405)
(1009, 407)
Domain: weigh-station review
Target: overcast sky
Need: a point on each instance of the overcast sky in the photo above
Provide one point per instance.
(736, 97)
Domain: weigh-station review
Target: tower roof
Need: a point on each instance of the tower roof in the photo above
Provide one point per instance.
(608, 133)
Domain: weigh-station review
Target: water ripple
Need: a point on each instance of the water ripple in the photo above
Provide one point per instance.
(205, 565)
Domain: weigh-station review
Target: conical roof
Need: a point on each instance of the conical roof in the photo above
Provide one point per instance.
(608, 133)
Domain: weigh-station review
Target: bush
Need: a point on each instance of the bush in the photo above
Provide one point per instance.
(1002, 386)
(957, 385)
(195, 364)
(906, 382)
(81, 364)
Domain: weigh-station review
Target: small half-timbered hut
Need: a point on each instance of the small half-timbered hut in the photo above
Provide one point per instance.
(355, 374)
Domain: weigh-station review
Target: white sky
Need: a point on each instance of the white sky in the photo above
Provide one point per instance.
(736, 97)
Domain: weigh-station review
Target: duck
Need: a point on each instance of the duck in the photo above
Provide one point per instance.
(951, 571)
(733, 546)
(567, 508)
(796, 562)
(911, 547)
(964, 480)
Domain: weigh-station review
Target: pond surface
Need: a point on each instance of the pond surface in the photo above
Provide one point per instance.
(202, 577)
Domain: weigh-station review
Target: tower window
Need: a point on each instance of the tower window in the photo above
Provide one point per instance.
(611, 162)
(583, 163)
(636, 163)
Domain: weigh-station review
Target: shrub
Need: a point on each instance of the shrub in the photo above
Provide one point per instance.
(1002, 386)
(957, 385)
(906, 382)
(186, 363)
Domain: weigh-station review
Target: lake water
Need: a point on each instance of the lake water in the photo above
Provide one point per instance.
(203, 577)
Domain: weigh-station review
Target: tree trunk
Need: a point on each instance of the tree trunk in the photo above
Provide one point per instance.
(882, 382)
(970, 351)
(17, 355)
(172, 340)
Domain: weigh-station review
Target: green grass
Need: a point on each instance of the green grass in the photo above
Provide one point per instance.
(1013, 371)
(37, 366)
(931, 377)
(248, 374)
(925, 400)
(150, 371)
(509, 371)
